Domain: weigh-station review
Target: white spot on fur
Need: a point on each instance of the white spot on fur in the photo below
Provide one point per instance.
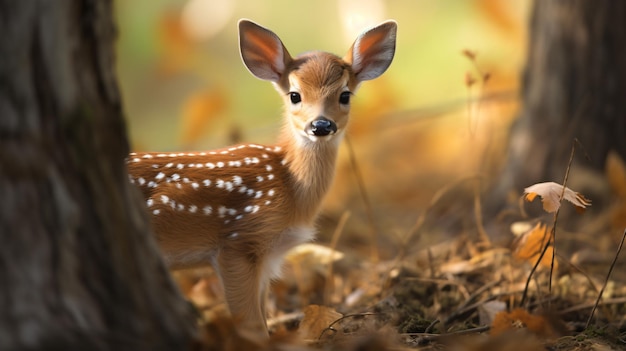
(160, 176)
(165, 199)
(156, 212)
(207, 210)
(221, 211)
(237, 180)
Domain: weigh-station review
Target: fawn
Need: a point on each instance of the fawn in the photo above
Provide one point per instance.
(241, 208)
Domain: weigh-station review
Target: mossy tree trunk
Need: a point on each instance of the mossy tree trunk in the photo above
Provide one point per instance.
(78, 266)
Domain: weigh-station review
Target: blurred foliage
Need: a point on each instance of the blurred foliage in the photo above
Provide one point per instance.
(414, 130)
(163, 62)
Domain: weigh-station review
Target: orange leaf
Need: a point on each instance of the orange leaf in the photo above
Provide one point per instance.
(316, 320)
(199, 110)
(521, 319)
(529, 245)
(616, 173)
(175, 41)
(550, 193)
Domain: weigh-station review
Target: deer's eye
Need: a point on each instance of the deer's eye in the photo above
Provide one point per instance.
(295, 97)
(344, 98)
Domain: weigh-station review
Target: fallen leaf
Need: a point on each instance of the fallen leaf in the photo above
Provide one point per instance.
(545, 327)
(316, 320)
(488, 311)
(550, 193)
(313, 256)
(529, 245)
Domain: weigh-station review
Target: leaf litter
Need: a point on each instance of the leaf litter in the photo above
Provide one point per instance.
(463, 293)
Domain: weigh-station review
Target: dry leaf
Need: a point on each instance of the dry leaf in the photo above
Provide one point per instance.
(542, 326)
(529, 245)
(616, 173)
(469, 54)
(316, 320)
(313, 256)
(550, 193)
(488, 311)
(199, 110)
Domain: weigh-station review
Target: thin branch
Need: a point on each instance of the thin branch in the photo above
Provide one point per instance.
(608, 275)
(552, 234)
(366, 200)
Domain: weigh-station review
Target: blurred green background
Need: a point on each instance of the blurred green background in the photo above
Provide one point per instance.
(414, 130)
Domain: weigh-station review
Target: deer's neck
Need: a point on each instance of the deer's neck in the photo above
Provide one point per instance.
(312, 167)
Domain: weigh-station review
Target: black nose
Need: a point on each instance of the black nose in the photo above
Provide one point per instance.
(323, 126)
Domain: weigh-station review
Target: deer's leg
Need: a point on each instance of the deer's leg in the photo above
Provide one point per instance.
(242, 279)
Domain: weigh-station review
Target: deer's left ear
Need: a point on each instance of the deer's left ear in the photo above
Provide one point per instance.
(372, 52)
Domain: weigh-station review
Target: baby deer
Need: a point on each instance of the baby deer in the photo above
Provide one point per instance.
(241, 208)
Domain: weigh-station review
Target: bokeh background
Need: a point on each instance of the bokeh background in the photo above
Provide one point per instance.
(414, 131)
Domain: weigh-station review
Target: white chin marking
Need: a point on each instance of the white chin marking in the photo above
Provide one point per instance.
(317, 139)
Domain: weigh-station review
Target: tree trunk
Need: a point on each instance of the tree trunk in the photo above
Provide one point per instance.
(574, 87)
(78, 266)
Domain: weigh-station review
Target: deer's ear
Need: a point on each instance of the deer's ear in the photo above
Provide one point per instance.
(262, 51)
(372, 52)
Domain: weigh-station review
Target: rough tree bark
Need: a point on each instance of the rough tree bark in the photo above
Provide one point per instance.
(78, 267)
(574, 86)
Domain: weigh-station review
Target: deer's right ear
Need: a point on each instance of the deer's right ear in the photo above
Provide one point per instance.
(262, 51)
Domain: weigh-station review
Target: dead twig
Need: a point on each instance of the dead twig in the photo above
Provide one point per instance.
(608, 275)
(366, 200)
(552, 233)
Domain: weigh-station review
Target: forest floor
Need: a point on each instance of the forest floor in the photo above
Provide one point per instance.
(464, 292)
